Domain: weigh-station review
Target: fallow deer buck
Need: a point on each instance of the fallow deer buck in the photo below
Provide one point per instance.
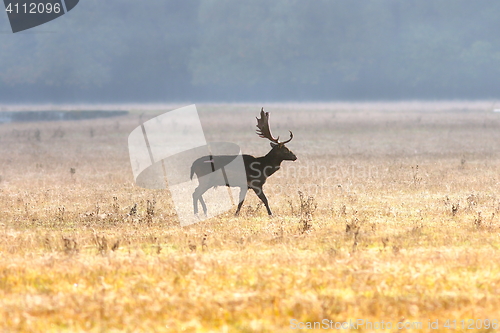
(257, 169)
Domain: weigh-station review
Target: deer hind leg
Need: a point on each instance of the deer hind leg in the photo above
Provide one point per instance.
(203, 205)
(262, 197)
(195, 203)
(243, 193)
(198, 195)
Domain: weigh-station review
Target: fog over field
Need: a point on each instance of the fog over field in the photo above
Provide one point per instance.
(255, 50)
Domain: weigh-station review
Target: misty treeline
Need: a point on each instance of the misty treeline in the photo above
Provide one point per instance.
(249, 50)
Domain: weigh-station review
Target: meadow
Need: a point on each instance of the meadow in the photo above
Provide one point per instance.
(391, 214)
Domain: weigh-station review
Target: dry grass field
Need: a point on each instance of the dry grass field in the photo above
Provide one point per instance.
(391, 213)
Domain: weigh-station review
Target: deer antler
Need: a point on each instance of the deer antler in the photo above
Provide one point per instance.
(291, 137)
(264, 131)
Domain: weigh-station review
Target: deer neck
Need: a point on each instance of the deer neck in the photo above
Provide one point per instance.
(273, 159)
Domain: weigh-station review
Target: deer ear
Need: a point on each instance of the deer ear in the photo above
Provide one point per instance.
(273, 144)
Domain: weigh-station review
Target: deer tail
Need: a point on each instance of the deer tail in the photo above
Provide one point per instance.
(192, 172)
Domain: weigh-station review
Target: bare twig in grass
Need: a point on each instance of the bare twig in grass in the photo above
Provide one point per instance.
(70, 246)
(454, 207)
(150, 211)
(352, 229)
(416, 230)
(116, 245)
(385, 242)
(307, 208)
(355, 241)
(472, 201)
(280, 234)
(204, 245)
(462, 162)
(342, 211)
(416, 179)
(305, 223)
(480, 223)
(353, 226)
(101, 244)
(60, 215)
(116, 206)
(133, 210)
(292, 211)
(158, 247)
(47, 243)
(253, 210)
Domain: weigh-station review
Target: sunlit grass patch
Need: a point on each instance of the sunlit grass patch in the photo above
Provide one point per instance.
(371, 236)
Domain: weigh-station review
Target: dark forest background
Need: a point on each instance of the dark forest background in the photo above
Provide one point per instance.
(256, 50)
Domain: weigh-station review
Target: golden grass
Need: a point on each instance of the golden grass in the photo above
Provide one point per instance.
(402, 225)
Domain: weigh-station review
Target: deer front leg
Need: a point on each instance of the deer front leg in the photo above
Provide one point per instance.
(243, 193)
(262, 197)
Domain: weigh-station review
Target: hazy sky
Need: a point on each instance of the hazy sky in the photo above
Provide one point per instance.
(220, 50)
